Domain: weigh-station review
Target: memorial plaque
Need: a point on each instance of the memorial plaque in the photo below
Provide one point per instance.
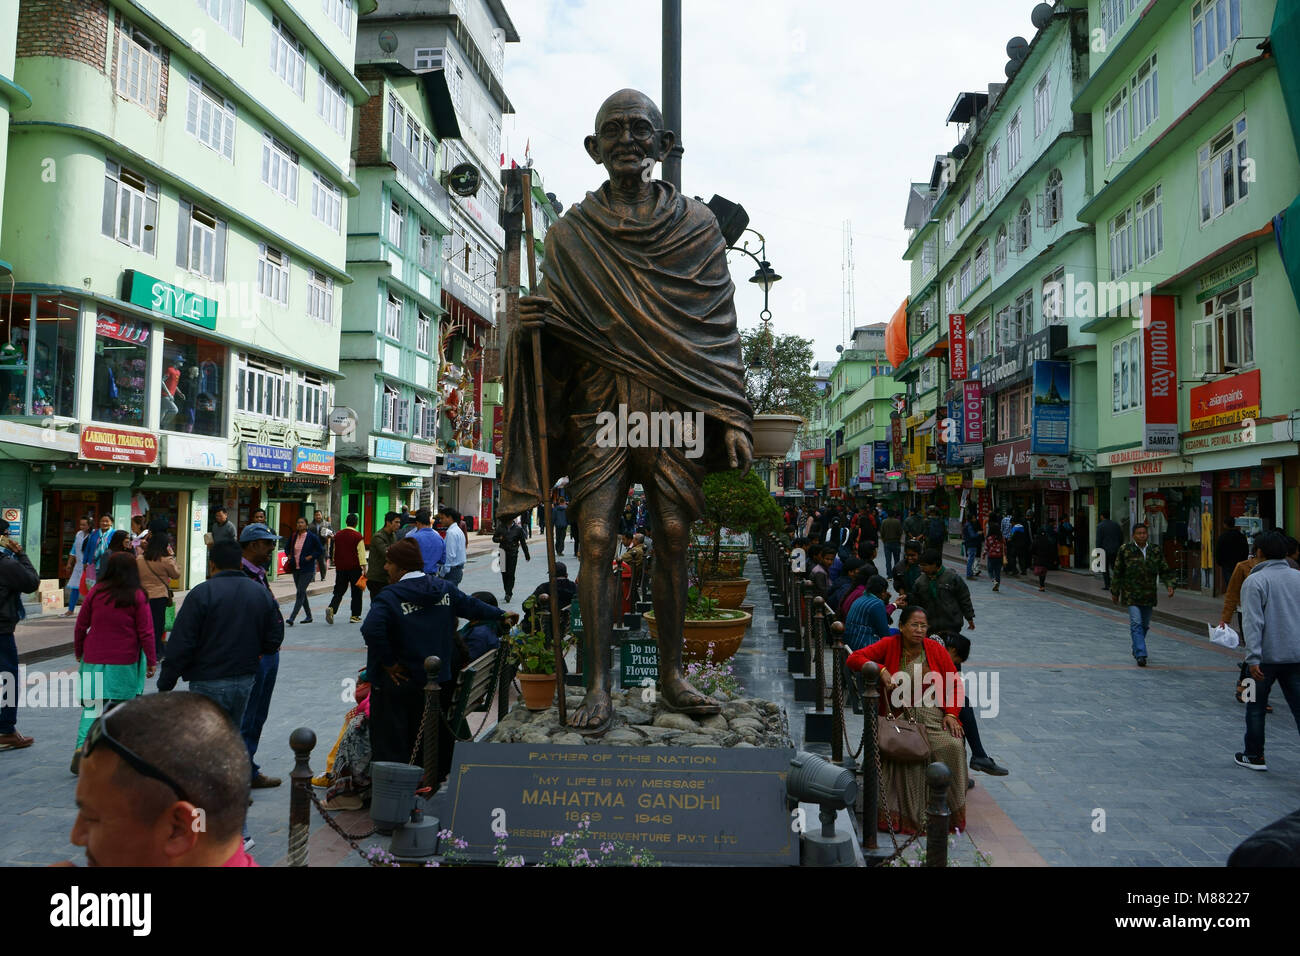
(638, 661)
(692, 805)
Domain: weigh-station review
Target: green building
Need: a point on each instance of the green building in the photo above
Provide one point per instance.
(173, 212)
(860, 403)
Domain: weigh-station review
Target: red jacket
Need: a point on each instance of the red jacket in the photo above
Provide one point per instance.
(888, 651)
(116, 635)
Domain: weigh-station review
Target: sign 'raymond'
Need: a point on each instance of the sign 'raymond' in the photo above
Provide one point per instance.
(1160, 365)
(958, 368)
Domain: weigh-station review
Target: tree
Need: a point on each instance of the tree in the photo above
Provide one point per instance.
(777, 376)
(738, 503)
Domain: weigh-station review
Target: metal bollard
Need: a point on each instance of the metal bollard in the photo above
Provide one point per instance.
(302, 741)
(807, 597)
(870, 753)
(819, 650)
(431, 722)
(938, 777)
(838, 657)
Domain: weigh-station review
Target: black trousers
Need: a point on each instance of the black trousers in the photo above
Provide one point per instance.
(559, 538)
(395, 714)
(373, 588)
(343, 581)
(508, 575)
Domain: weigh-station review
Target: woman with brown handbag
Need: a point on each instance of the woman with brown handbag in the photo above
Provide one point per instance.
(918, 678)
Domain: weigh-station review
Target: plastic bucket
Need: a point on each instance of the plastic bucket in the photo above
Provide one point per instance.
(392, 792)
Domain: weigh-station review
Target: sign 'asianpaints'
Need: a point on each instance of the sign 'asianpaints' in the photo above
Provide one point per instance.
(958, 368)
(1160, 367)
(1226, 401)
(99, 443)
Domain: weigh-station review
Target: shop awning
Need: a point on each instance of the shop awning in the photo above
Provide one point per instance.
(928, 424)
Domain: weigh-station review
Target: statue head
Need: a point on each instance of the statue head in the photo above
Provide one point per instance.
(629, 137)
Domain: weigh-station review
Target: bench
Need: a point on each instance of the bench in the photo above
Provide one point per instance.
(479, 682)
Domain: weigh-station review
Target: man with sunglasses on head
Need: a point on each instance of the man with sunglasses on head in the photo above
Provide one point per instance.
(163, 782)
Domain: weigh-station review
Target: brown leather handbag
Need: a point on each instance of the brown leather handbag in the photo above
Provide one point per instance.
(902, 740)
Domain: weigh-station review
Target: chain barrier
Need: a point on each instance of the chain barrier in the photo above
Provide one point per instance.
(350, 838)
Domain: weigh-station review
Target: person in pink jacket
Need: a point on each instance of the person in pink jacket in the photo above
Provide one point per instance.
(113, 642)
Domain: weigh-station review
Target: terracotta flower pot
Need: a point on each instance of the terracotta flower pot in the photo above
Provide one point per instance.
(538, 690)
(729, 566)
(726, 636)
(774, 434)
(728, 593)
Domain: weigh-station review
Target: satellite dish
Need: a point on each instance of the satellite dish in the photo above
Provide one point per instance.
(1017, 47)
(960, 151)
(1041, 16)
(388, 41)
(343, 420)
(1011, 68)
(839, 348)
(464, 179)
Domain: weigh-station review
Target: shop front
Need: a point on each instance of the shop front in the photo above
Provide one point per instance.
(467, 474)
(368, 488)
(1021, 483)
(1165, 494)
(182, 493)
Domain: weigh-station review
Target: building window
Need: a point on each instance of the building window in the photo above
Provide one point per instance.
(1000, 248)
(326, 201)
(331, 103)
(280, 167)
(1054, 298)
(311, 406)
(965, 280)
(950, 227)
(1042, 105)
(193, 385)
(201, 243)
(981, 341)
(1115, 125)
(396, 117)
(41, 372)
(396, 225)
(1126, 373)
(228, 13)
(288, 57)
(320, 297)
(428, 58)
(1215, 24)
(130, 213)
(1145, 96)
(422, 326)
(1023, 224)
(425, 424)
(950, 291)
(1013, 141)
(927, 379)
(261, 388)
(994, 170)
(929, 257)
(1149, 237)
(1022, 313)
(982, 262)
(426, 248)
(964, 204)
(1053, 199)
(1121, 244)
(139, 68)
(1223, 171)
(119, 393)
(210, 118)
(1113, 15)
(429, 156)
(340, 11)
(979, 187)
(1013, 413)
(393, 318)
(1223, 339)
(393, 411)
(273, 274)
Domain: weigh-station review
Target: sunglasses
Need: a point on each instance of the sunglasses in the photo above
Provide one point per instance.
(99, 733)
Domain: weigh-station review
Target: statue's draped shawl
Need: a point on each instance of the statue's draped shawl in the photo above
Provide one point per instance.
(648, 299)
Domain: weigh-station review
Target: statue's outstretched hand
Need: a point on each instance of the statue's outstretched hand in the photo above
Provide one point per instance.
(740, 453)
(532, 311)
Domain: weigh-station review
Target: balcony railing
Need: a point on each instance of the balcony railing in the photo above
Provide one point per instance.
(426, 185)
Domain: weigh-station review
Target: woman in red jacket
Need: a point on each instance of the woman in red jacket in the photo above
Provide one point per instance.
(917, 673)
(114, 643)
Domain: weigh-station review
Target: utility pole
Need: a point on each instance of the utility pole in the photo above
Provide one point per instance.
(672, 87)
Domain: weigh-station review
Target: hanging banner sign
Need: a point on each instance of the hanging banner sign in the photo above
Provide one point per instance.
(973, 412)
(958, 369)
(1050, 418)
(1160, 376)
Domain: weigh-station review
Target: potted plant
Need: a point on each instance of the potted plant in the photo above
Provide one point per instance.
(532, 650)
(710, 632)
(732, 502)
(779, 386)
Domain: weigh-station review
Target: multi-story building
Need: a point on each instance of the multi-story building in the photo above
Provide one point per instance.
(862, 389)
(13, 98)
(463, 43)
(392, 311)
(174, 212)
(1197, 385)
(806, 474)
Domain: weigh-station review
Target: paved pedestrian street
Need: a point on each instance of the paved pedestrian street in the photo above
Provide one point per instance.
(1111, 765)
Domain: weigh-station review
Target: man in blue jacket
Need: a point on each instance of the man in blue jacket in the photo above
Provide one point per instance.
(411, 619)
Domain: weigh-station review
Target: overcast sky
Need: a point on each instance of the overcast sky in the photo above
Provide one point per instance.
(807, 113)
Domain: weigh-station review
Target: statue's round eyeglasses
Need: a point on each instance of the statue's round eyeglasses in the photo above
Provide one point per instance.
(641, 129)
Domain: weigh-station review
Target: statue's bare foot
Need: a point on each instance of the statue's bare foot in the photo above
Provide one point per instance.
(678, 695)
(593, 714)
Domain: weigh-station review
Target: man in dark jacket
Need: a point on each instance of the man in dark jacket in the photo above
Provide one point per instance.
(1231, 549)
(943, 594)
(936, 530)
(380, 542)
(17, 577)
(1110, 537)
(256, 542)
(223, 628)
(511, 540)
(908, 570)
(414, 618)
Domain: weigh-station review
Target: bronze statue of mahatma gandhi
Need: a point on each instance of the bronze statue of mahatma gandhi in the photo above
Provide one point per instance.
(635, 307)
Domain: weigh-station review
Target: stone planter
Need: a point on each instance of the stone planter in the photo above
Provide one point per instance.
(538, 690)
(726, 634)
(729, 566)
(774, 434)
(728, 593)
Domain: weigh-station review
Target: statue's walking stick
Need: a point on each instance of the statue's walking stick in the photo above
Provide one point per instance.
(545, 464)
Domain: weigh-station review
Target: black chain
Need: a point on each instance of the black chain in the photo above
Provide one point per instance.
(351, 838)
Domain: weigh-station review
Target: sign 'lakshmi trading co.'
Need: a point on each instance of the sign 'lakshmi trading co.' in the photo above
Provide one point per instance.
(167, 299)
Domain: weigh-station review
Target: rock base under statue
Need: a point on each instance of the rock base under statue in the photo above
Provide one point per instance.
(744, 722)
